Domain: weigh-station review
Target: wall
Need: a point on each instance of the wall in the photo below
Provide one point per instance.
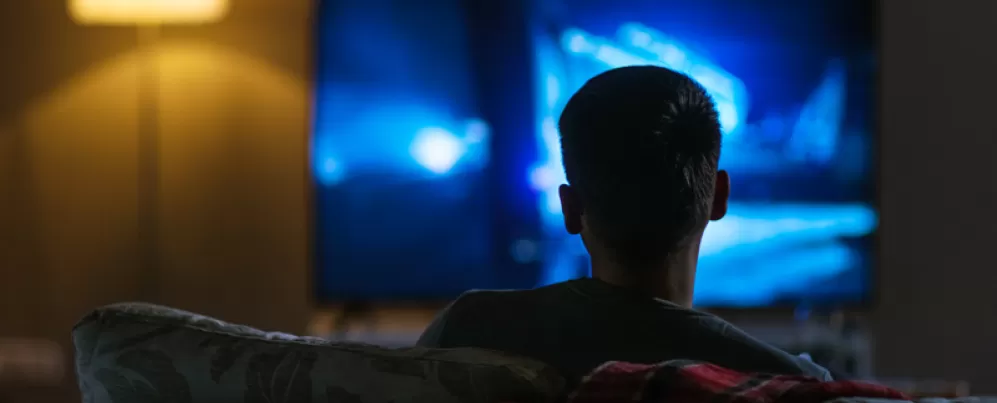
(233, 112)
(234, 121)
(939, 190)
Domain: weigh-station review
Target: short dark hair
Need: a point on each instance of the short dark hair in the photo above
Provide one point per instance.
(641, 146)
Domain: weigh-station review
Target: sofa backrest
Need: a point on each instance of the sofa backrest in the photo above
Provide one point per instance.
(142, 353)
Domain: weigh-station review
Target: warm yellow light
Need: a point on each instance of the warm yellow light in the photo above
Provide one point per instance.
(147, 12)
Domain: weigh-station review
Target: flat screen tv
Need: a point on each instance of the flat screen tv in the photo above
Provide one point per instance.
(436, 157)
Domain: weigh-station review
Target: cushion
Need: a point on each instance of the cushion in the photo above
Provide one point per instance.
(970, 399)
(142, 353)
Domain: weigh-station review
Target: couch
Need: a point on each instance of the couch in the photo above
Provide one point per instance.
(142, 353)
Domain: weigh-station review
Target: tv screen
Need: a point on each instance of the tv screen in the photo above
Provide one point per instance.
(399, 152)
(414, 158)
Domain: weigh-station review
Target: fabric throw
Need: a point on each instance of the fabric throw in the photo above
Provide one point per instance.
(682, 381)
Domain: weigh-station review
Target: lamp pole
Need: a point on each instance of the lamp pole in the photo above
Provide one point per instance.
(148, 172)
(148, 16)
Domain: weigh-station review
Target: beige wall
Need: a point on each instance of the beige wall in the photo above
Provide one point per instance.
(233, 107)
(234, 119)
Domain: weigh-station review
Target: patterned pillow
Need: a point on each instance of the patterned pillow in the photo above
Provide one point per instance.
(141, 353)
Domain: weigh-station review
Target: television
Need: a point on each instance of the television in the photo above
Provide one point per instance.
(436, 152)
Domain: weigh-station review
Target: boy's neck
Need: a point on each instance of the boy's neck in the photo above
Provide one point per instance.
(671, 279)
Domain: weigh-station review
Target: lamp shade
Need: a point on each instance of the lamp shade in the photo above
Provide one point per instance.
(147, 12)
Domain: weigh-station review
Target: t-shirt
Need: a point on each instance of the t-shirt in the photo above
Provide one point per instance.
(577, 325)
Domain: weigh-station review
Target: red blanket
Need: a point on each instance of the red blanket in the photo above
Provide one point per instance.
(697, 382)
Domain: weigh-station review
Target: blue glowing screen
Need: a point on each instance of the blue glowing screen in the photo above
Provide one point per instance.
(399, 153)
(405, 162)
(792, 82)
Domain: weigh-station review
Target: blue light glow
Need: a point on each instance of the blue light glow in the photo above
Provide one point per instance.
(437, 149)
(727, 91)
(762, 250)
(639, 45)
(328, 171)
(400, 153)
(411, 205)
(756, 282)
(815, 135)
(548, 173)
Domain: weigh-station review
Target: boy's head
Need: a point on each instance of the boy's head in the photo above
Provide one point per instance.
(641, 147)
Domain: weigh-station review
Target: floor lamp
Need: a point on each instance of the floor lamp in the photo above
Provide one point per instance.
(148, 16)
